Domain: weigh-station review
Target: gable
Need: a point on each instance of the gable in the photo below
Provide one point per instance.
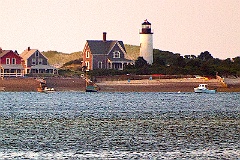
(37, 54)
(29, 53)
(117, 49)
(11, 55)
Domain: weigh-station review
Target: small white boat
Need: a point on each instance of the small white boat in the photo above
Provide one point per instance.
(202, 88)
(46, 89)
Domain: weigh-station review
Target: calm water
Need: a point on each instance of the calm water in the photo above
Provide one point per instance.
(119, 125)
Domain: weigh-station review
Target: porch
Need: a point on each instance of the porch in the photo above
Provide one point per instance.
(42, 69)
(11, 71)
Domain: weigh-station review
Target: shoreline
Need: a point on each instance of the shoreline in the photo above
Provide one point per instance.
(144, 85)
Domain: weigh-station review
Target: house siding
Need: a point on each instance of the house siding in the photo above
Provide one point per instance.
(37, 58)
(89, 59)
(10, 55)
(99, 58)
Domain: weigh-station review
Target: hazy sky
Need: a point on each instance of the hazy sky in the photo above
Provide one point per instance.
(179, 26)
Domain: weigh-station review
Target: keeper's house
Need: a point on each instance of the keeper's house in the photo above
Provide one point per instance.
(105, 54)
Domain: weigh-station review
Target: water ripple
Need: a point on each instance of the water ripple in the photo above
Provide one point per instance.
(119, 125)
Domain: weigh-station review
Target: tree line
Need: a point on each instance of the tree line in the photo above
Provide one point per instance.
(165, 62)
(168, 63)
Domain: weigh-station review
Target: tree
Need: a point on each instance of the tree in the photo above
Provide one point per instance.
(140, 62)
(205, 56)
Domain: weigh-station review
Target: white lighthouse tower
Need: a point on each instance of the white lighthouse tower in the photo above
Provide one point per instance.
(146, 42)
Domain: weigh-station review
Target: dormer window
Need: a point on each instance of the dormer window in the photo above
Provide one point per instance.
(116, 54)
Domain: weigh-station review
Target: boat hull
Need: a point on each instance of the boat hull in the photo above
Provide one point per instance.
(197, 90)
(91, 89)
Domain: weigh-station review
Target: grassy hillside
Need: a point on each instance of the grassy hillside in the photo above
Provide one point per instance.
(132, 51)
(59, 58)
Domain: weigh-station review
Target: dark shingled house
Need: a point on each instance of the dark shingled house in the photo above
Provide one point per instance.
(105, 54)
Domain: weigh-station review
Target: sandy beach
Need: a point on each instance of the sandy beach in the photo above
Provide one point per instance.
(160, 85)
(143, 85)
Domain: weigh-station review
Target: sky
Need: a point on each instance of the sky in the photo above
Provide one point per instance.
(188, 27)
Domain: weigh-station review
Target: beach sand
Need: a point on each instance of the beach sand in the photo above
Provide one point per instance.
(144, 85)
(157, 85)
(19, 84)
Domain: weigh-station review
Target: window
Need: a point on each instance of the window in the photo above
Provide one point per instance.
(99, 64)
(36, 53)
(40, 61)
(87, 64)
(33, 61)
(87, 54)
(116, 54)
(13, 60)
(146, 26)
(7, 60)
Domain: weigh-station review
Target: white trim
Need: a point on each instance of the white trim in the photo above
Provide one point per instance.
(14, 61)
(116, 54)
(37, 53)
(33, 61)
(40, 61)
(100, 64)
(87, 64)
(87, 54)
(8, 61)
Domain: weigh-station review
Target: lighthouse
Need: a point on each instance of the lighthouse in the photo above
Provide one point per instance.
(146, 42)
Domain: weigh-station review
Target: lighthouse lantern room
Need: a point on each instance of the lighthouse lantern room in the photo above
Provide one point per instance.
(146, 42)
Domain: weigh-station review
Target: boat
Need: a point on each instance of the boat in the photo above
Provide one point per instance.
(91, 87)
(202, 88)
(46, 89)
(43, 87)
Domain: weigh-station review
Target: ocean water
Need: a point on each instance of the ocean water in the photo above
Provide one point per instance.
(79, 125)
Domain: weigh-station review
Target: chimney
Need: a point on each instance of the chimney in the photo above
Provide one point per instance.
(104, 36)
(0, 50)
(29, 48)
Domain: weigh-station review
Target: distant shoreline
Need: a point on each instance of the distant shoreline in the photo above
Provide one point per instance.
(144, 85)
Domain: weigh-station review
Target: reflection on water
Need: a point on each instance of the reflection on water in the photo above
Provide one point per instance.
(119, 125)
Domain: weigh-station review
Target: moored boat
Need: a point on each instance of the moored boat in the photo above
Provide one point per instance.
(91, 87)
(43, 87)
(46, 89)
(202, 88)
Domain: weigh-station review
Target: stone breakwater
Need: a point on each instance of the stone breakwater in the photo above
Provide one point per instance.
(144, 85)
